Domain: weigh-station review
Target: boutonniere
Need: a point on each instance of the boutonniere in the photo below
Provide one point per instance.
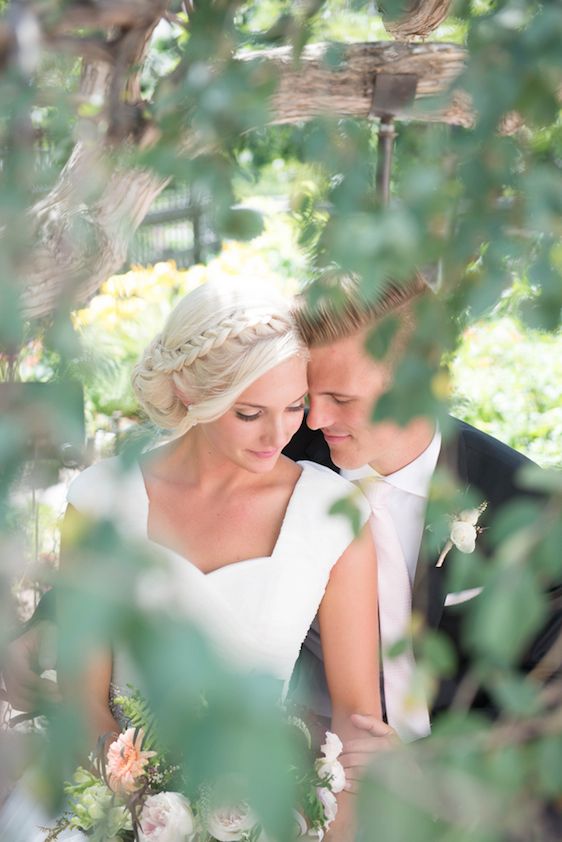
(464, 532)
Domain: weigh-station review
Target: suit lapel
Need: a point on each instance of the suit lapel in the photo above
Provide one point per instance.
(429, 591)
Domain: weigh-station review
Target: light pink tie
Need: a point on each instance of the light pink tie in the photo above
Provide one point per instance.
(406, 708)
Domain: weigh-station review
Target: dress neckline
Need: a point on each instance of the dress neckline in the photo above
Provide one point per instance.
(236, 564)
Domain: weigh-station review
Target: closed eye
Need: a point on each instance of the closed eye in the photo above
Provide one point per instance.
(243, 417)
(255, 415)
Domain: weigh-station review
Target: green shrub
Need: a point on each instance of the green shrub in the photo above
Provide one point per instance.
(507, 381)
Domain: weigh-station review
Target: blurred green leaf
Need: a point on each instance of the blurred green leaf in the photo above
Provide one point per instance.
(512, 519)
(379, 341)
(505, 615)
(437, 650)
(241, 224)
(347, 507)
(515, 695)
(466, 570)
(547, 764)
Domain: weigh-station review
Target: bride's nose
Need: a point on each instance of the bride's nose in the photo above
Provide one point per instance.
(276, 433)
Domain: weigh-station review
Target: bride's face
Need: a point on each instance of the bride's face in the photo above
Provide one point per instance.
(263, 420)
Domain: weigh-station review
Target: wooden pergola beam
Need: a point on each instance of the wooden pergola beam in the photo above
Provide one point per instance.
(314, 86)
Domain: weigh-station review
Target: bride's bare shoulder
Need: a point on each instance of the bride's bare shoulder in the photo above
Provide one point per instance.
(287, 470)
(160, 463)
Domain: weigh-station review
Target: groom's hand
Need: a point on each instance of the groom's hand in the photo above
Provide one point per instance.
(357, 753)
(26, 658)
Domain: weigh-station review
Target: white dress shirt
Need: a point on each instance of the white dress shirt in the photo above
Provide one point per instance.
(408, 501)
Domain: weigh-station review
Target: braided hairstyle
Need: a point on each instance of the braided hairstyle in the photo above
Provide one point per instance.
(219, 339)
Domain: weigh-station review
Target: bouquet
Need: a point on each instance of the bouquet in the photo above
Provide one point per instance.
(134, 790)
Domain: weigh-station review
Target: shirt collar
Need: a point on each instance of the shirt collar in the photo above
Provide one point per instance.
(413, 478)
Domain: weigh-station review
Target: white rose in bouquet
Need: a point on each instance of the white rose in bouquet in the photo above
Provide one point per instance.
(329, 765)
(166, 817)
(332, 748)
(334, 771)
(301, 826)
(227, 824)
(330, 804)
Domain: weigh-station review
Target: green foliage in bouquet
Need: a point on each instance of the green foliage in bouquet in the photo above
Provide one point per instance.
(95, 809)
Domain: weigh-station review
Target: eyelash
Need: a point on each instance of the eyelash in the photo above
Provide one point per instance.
(242, 417)
(339, 401)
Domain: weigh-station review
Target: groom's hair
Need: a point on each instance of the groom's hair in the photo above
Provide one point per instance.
(336, 306)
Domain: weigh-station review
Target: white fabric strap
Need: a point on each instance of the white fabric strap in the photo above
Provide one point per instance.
(406, 707)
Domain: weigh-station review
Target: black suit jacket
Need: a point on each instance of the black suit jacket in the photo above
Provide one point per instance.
(484, 465)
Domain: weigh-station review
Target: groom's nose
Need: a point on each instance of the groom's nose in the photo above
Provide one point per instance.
(318, 414)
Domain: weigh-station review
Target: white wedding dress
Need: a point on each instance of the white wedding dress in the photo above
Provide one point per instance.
(256, 612)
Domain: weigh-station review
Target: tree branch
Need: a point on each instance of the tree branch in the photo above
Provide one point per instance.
(79, 245)
(101, 14)
(419, 19)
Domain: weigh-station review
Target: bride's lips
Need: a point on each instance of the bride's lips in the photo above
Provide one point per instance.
(264, 454)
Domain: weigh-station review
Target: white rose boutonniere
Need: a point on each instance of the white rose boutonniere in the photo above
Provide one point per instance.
(464, 532)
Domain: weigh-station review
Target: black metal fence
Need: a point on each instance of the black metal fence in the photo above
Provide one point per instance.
(178, 227)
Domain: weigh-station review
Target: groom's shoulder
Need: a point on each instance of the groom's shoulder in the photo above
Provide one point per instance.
(487, 462)
(479, 444)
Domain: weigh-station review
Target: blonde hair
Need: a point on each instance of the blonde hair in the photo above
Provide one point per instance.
(219, 339)
(342, 308)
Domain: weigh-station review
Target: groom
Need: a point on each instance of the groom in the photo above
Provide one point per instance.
(399, 462)
(345, 383)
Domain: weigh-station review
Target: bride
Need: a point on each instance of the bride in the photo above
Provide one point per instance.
(253, 551)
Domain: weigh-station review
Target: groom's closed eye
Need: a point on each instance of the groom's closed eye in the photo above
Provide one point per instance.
(337, 397)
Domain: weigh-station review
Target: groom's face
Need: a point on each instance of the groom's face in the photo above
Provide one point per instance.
(344, 385)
